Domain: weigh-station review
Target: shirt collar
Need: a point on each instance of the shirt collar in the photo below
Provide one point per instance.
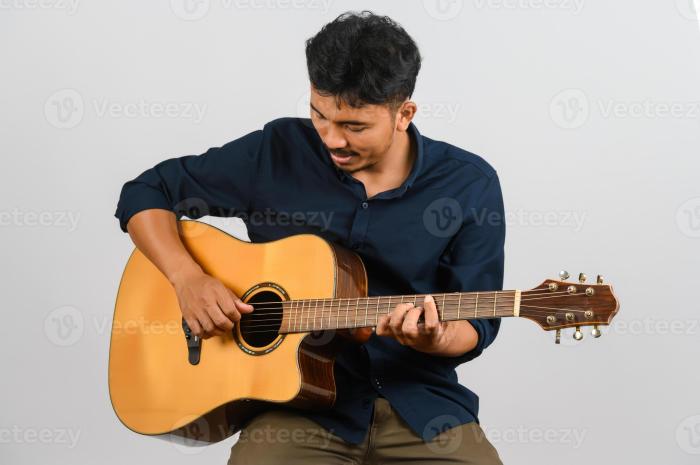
(418, 162)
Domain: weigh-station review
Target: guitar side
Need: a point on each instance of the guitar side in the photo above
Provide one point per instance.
(154, 387)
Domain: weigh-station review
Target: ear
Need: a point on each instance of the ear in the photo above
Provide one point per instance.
(405, 114)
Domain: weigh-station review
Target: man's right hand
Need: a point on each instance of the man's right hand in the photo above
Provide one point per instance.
(208, 306)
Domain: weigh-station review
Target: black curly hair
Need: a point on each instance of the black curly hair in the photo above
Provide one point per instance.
(362, 58)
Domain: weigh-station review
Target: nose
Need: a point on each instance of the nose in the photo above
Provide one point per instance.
(334, 138)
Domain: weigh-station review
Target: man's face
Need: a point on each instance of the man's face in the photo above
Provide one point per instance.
(356, 138)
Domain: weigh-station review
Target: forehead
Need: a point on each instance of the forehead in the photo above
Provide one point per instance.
(334, 108)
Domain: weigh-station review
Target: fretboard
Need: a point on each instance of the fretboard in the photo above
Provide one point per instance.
(338, 313)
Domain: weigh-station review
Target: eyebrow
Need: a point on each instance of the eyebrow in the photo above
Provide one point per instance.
(351, 122)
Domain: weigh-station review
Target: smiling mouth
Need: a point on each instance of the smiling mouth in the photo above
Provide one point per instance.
(341, 157)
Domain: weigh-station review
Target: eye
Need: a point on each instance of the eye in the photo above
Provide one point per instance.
(356, 129)
(316, 113)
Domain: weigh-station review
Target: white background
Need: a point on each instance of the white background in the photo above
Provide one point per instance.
(589, 110)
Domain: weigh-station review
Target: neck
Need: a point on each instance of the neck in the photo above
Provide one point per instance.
(394, 166)
(322, 314)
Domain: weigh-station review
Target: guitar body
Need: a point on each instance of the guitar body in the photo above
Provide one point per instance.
(154, 386)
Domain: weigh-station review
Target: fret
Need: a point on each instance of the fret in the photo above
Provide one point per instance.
(308, 315)
(303, 314)
(330, 312)
(377, 311)
(313, 324)
(289, 313)
(295, 312)
(329, 307)
(354, 321)
(366, 308)
(299, 317)
(296, 316)
(323, 304)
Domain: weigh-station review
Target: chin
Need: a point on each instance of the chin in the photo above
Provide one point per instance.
(352, 167)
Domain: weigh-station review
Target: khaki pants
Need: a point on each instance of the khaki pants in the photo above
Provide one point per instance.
(284, 437)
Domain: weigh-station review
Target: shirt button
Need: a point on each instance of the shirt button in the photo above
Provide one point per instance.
(365, 205)
(378, 383)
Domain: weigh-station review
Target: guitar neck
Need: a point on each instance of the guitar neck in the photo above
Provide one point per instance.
(334, 313)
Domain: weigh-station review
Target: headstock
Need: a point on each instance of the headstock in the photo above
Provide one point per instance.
(558, 304)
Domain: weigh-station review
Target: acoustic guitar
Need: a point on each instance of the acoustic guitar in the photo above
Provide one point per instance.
(164, 379)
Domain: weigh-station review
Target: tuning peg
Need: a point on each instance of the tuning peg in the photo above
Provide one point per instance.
(557, 337)
(599, 279)
(578, 335)
(595, 332)
(564, 275)
(582, 278)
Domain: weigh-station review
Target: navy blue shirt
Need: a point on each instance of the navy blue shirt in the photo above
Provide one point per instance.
(442, 230)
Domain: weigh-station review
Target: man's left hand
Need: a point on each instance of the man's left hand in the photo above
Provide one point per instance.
(449, 338)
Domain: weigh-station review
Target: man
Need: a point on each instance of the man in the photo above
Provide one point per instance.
(425, 217)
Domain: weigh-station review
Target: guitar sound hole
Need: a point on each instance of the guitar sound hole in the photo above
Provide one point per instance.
(261, 327)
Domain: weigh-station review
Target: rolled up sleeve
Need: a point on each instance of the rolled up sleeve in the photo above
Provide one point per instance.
(475, 258)
(219, 182)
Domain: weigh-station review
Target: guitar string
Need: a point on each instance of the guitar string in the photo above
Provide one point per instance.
(278, 323)
(452, 311)
(469, 294)
(377, 299)
(452, 300)
(483, 313)
(309, 330)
